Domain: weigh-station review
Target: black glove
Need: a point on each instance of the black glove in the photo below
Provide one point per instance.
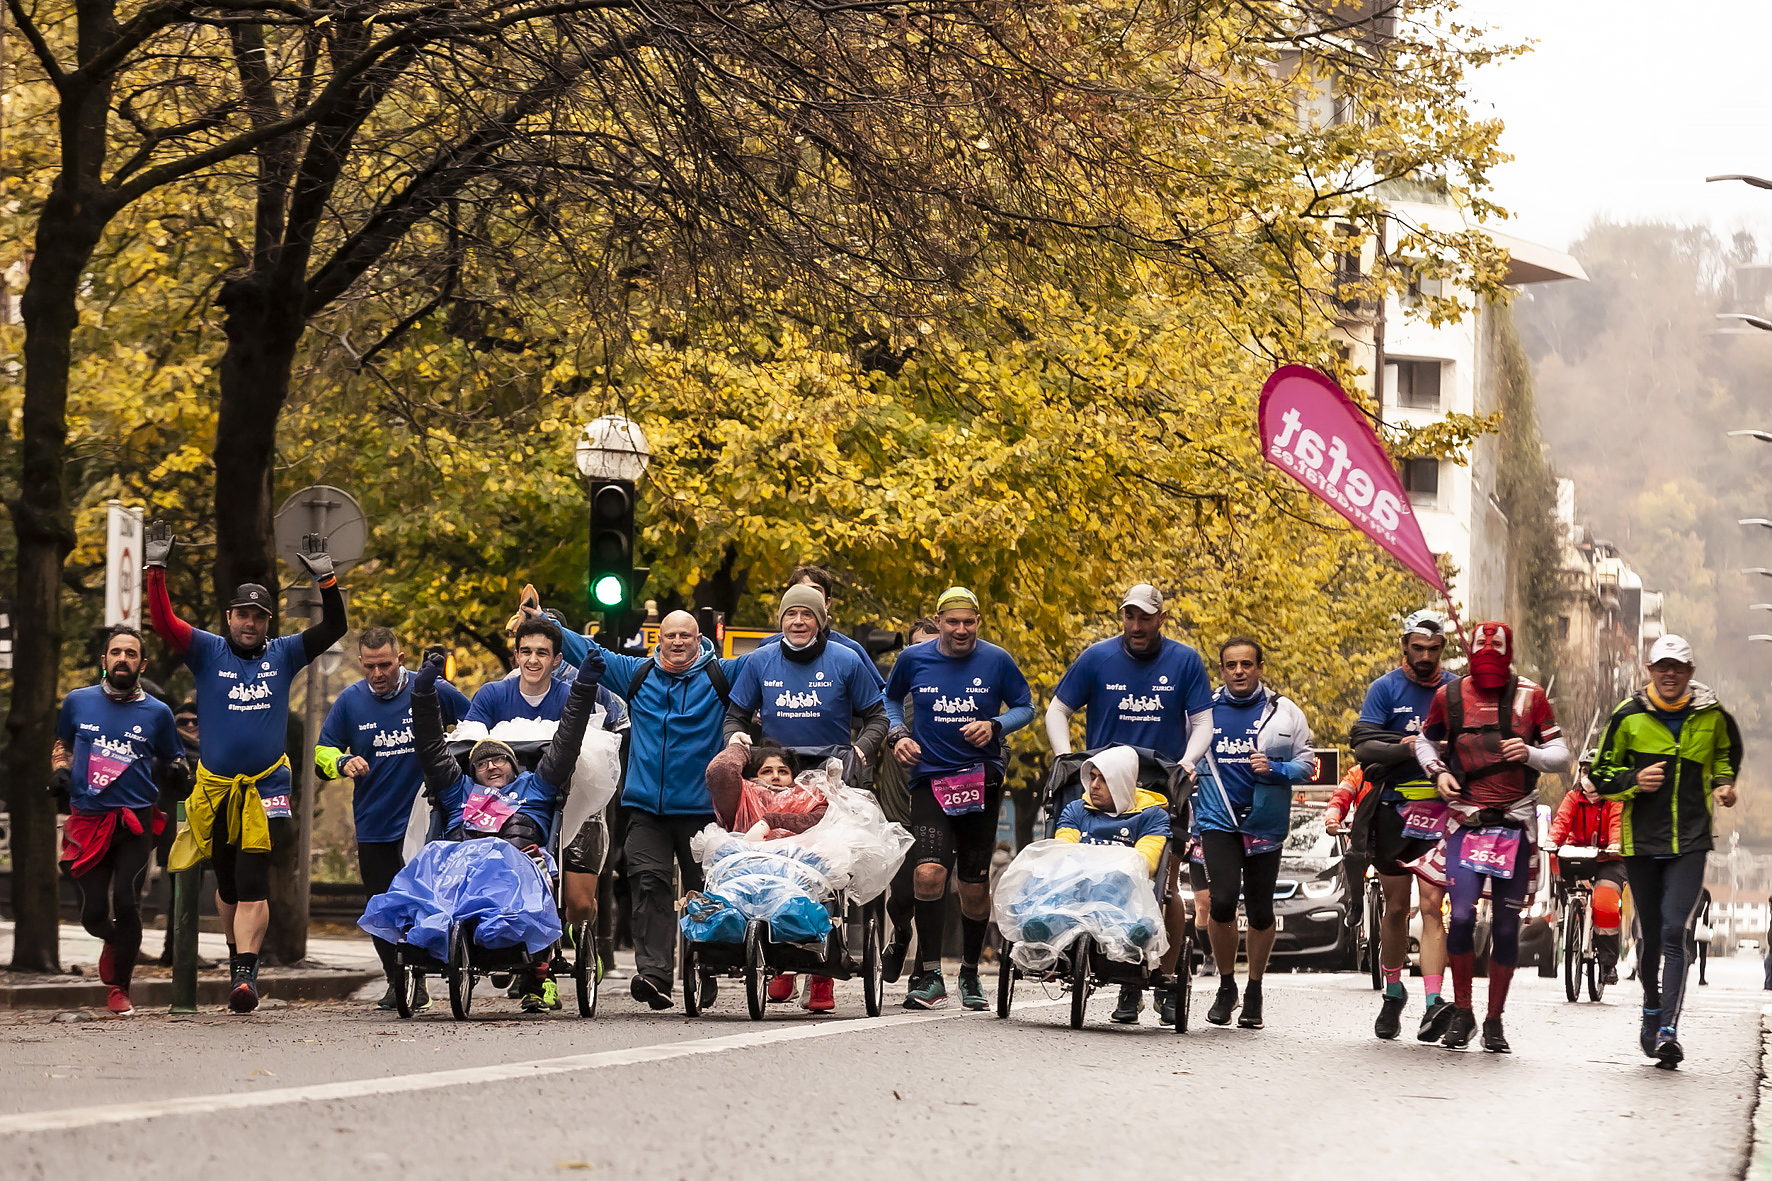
(593, 666)
(61, 783)
(425, 679)
(157, 545)
(313, 555)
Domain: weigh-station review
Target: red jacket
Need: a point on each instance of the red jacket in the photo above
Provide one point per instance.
(1346, 797)
(1598, 824)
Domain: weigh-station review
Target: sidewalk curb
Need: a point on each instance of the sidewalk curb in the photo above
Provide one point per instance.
(156, 993)
(1758, 1165)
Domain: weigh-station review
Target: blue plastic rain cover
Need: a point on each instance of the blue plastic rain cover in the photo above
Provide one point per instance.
(490, 882)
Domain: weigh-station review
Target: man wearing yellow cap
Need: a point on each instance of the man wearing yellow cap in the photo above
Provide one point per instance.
(965, 695)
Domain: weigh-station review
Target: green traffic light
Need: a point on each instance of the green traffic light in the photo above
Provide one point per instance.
(609, 591)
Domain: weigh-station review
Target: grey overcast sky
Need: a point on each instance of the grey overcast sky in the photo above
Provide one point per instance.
(1623, 107)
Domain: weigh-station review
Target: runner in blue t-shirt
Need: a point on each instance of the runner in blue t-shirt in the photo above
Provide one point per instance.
(965, 695)
(242, 795)
(1143, 689)
(111, 743)
(368, 738)
(1383, 739)
(805, 690)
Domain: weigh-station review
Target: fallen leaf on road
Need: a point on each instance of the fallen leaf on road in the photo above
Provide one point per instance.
(266, 1073)
(896, 1095)
(573, 1164)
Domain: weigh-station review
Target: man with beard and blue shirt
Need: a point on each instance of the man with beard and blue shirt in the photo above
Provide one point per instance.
(108, 738)
(368, 738)
(1403, 821)
(966, 696)
(1145, 690)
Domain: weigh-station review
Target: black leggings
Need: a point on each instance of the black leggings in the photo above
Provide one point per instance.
(377, 863)
(1667, 892)
(1230, 871)
(110, 896)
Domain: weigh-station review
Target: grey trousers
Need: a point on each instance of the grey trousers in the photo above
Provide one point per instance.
(653, 844)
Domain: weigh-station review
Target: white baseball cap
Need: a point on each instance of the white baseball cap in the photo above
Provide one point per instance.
(1671, 647)
(1145, 597)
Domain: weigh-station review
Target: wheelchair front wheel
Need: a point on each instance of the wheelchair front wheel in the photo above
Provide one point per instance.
(1005, 977)
(691, 974)
(873, 965)
(1080, 979)
(756, 969)
(584, 967)
(1184, 984)
(461, 973)
(403, 984)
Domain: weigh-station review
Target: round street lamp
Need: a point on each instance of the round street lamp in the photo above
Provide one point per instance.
(612, 448)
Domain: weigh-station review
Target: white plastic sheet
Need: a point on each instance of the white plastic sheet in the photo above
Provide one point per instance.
(1055, 891)
(594, 777)
(855, 846)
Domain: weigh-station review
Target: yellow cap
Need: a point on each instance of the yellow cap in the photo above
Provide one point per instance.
(956, 596)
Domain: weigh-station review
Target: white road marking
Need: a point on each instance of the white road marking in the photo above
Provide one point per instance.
(120, 1113)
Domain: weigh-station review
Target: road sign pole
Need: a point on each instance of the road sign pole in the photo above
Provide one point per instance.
(187, 887)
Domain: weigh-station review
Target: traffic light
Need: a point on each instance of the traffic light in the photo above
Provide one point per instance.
(613, 577)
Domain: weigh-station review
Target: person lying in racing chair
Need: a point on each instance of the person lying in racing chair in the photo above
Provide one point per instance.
(500, 798)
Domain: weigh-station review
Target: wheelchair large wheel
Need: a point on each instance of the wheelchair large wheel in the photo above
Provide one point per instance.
(1005, 977)
(1373, 925)
(756, 969)
(691, 971)
(584, 967)
(404, 982)
(873, 966)
(1080, 979)
(461, 973)
(1184, 984)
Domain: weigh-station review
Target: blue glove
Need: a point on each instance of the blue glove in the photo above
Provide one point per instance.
(425, 679)
(593, 666)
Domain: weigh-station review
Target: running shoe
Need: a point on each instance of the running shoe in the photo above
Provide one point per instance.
(821, 995)
(1225, 1003)
(421, 1000)
(1435, 1021)
(892, 960)
(781, 988)
(1610, 976)
(1668, 1052)
(1390, 1016)
(1131, 1004)
(1165, 999)
(390, 1000)
(1646, 1035)
(971, 991)
(1251, 1015)
(118, 1002)
(550, 993)
(1494, 1040)
(244, 997)
(927, 991)
(644, 988)
(1460, 1028)
(535, 1002)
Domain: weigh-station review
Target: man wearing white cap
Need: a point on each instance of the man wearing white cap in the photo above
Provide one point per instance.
(1669, 751)
(1141, 689)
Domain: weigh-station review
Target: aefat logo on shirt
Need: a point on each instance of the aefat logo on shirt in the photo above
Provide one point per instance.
(390, 738)
(955, 705)
(254, 696)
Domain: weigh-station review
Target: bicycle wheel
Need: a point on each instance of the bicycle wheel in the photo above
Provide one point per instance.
(1374, 923)
(1005, 977)
(1080, 979)
(1572, 916)
(585, 968)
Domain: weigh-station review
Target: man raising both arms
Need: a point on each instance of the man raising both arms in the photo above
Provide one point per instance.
(242, 792)
(1140, 689)
(1404, 820)
(957, 684)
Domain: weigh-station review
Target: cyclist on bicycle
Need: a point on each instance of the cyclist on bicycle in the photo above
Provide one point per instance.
(1584, 819)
